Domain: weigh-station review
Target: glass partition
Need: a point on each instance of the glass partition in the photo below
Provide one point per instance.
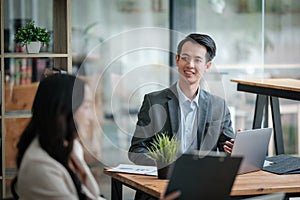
(111, 43)
(239, 50)
(255, 39)
(123, 48)
(281, 60)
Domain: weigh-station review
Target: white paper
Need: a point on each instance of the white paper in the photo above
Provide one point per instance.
(267, 163)
(135, 169)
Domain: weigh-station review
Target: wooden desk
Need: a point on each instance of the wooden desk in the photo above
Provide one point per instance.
(255, 183)
(270, 89)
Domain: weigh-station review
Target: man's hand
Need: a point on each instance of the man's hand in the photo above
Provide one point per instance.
(228, 146)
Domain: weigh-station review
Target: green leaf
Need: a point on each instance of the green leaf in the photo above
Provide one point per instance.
(163, 148)
(30, 33)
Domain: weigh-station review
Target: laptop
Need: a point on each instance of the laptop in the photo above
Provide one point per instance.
(203, 176)
(252, 145)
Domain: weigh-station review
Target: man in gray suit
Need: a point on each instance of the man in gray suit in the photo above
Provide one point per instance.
(200, 120)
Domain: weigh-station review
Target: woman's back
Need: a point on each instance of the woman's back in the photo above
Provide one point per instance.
(42, 177)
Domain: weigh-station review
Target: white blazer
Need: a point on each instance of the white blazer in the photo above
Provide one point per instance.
(42, 177)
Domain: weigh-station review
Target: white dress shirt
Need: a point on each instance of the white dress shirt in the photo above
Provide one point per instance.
(188, 120)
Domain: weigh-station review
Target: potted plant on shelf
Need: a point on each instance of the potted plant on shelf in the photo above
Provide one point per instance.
(164, 151)
(33, 37)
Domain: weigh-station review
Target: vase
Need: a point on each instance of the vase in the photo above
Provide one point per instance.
(164, 170)
(33, 47)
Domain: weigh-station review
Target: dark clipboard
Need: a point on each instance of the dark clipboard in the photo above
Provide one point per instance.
(283, 164)
(204, 177)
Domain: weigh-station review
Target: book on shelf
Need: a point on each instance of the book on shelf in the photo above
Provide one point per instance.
(40, 65)
(22, 71)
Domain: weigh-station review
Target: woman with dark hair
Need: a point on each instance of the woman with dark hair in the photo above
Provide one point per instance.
(50, 158)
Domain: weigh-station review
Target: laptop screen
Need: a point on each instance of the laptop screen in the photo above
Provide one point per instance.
(252, 145)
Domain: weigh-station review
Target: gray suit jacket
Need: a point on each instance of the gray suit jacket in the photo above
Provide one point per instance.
(160, 113)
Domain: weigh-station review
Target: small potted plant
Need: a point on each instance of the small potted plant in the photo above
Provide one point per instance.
(33, 37)
(164, 151)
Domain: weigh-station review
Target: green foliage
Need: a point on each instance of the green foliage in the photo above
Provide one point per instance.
(164, 149)
(31, 33)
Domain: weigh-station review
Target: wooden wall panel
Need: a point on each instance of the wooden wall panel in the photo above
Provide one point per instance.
(13, 128)
(20, 97)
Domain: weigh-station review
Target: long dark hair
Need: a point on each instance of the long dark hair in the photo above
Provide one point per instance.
(57, 98)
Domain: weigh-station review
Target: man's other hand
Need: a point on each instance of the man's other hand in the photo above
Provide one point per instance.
(228, 146)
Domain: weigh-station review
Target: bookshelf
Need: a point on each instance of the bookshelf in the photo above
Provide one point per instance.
(17, 95)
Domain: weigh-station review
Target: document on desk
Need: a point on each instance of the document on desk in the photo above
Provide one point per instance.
(135, 169)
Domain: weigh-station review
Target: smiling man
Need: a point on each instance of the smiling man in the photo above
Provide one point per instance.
(200, 120)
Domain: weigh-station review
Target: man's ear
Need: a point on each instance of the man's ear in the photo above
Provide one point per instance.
(208, 66)
(177, 59)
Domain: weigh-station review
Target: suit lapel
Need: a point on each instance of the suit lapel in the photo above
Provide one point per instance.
(173, 109)
(202, 116)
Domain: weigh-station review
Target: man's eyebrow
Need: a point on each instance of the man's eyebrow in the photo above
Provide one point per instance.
(186, 54)
(199, 57)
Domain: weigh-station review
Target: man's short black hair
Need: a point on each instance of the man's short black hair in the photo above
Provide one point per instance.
(201, 39)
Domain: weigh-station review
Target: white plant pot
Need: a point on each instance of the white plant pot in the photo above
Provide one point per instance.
(33, 47)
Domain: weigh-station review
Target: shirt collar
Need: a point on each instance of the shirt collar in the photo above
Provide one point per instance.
(182, 98)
